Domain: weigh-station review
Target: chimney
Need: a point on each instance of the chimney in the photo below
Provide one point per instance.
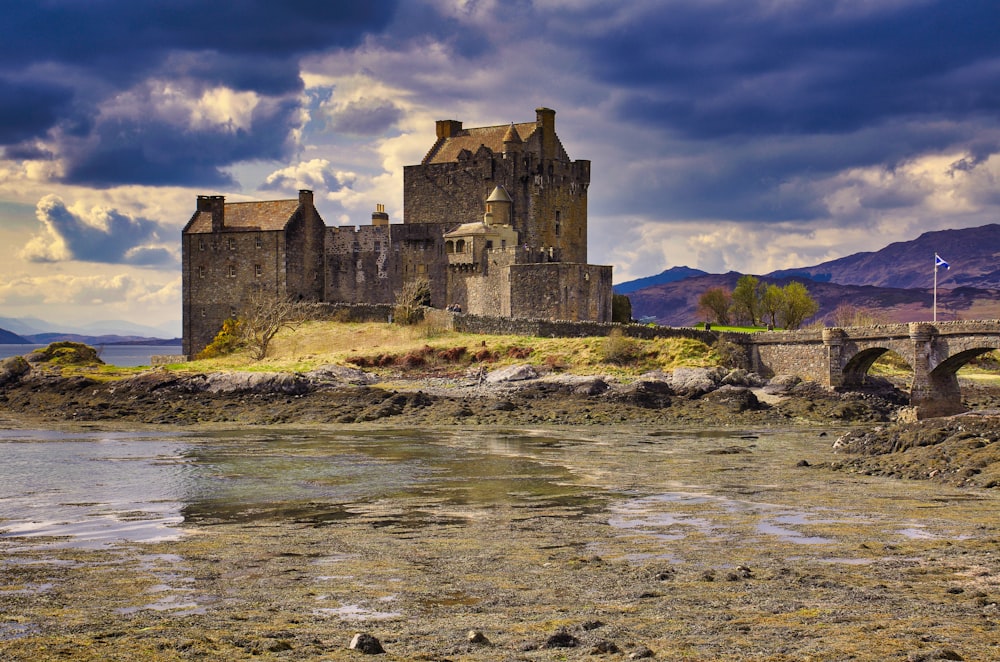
(305, 197)
(448, 128)
(545, 119)
(379, 216)
(216, 206)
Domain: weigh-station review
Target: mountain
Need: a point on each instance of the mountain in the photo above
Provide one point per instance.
(669, 276)
(32, 326)
(96, 341)
(972, 254)
(894, 283)
(8, 338)
(676, 304)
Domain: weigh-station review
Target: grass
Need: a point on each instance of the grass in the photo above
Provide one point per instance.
(389, 348)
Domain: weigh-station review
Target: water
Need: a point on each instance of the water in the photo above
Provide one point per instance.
(93, 489)
(90, 489)
(120, 355)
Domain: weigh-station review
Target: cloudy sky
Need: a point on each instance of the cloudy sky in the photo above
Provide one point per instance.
(749, 135)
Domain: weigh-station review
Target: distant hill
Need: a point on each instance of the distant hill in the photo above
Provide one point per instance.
(669, 276)
(973, 255)
(46, 338)
(895, 283)
(8, 338)
(676, 304)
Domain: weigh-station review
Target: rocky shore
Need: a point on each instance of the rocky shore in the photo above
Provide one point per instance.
(513, 395)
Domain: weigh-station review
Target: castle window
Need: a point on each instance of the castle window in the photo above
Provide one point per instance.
(201, 272)
(232, 244)
(460, 246)
(558, 222)
(260, 242)
(489, 244)
(258, 270)
(449, 246)
(232, 271)
(201, 244)
(378, 246)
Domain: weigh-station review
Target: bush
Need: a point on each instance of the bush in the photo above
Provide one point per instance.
(619, 348)
(226, 341)
(621, 309)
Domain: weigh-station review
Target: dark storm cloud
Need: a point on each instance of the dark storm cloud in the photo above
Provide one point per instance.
(28, 109)
(753, 105)
(714, 69)
(365, 117)
(60, 61)
(116, 238)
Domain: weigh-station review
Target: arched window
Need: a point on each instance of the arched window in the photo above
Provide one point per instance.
(460, 246)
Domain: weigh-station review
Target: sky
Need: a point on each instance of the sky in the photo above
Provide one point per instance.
(746, 135)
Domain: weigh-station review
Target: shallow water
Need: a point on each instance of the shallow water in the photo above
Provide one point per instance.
(92, 489)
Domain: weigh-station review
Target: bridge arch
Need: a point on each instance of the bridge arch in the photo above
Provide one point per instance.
(855, 370)
(842, 357)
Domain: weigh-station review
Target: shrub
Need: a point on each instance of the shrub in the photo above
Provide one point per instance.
(226, 341)
(619, 348)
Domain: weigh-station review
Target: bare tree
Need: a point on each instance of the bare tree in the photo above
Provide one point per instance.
(266, 313)
(415, 293)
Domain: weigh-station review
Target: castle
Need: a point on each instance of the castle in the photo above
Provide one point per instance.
(494, 220)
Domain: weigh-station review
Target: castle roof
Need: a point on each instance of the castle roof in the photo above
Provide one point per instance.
(446, 150)
(499, 194)
(260, 215)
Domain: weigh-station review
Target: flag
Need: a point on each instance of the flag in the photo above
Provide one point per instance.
(938, 262)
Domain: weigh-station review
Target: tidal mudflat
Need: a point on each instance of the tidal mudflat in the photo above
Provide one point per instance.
(553, 544)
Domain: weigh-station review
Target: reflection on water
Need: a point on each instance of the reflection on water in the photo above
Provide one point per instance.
(90, 489)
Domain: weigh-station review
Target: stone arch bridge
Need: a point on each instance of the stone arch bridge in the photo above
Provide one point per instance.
(841, 357)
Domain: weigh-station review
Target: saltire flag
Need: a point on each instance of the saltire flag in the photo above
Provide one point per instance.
(938, 262)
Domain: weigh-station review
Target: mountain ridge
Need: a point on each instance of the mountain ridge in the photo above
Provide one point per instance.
(895, 283)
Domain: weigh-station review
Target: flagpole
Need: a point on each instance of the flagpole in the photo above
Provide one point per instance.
(935, 286)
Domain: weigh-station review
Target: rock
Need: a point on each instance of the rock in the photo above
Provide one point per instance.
(734, 398)
(937, 654)
(604, 647)
(694, 382)
(12, 369)
(648, 393)
(641, 653)
(512, 373)
(325, 374)
(367, 644)
(561, 639)
(478, 638)
(781, 384)
(741, 377)
(254, 382)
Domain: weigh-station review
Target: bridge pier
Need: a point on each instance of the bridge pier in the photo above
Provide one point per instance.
(934, 392)
(833, 343)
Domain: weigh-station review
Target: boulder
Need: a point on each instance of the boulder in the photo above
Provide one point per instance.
(367, 644)
(735, 398)
(12, 369)
(511, 373)
(255, 382)
(339, 374)
(782, 384)
(694, 382)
